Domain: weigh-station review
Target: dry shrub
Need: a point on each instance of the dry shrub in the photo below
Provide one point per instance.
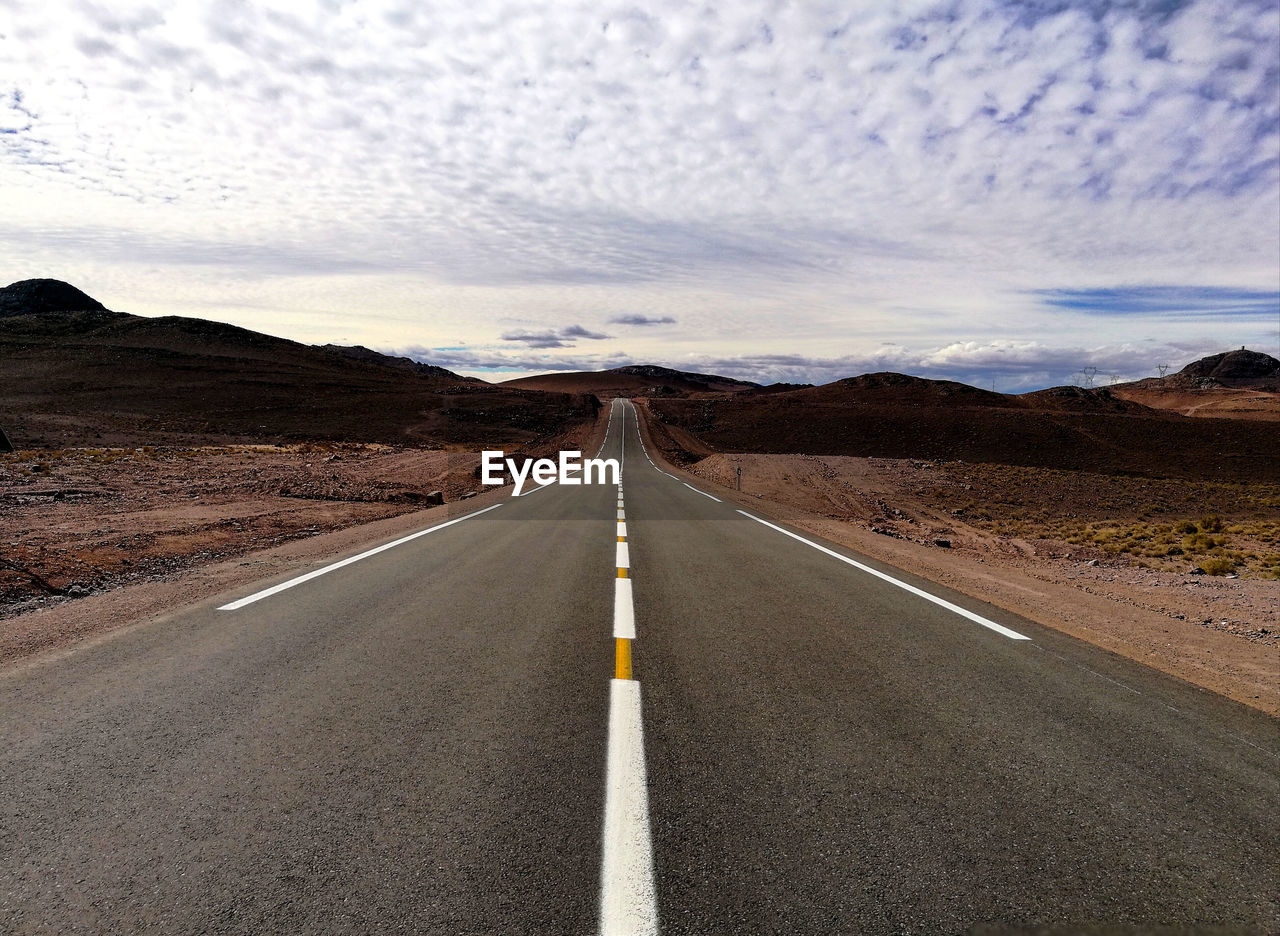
(1218, 565)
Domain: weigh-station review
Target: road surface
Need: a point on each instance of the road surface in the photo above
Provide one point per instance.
(483, 730)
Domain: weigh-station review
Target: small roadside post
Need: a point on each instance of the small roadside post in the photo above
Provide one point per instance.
(739, 477)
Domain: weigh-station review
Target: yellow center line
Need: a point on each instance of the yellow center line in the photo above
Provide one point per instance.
(622, 658)
(622, 645)
(627, 886)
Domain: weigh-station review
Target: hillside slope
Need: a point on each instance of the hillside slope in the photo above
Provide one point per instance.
(35, 296)
(94, 377)
(896, 416)
(1238, 384)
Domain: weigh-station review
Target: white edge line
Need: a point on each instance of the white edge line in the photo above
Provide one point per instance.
(703, 493)
(628, 903)
(644, 448)
(276, 589)
(963, 612)
(624, 610)
(603, 442)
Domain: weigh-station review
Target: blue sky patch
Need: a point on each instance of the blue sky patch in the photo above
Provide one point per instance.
(1205, 301)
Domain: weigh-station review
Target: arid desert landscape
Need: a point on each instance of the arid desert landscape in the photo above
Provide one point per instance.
(1143, 517)
(647, 469)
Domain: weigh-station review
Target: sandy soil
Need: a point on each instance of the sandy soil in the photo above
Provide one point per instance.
(1006, 534)
(1221, 402)
(93, 539)
(83, 520)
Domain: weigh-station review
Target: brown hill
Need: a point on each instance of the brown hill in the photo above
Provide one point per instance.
(34, 296)
(648, 380)
(103, 378)
(778, 388)
(1242, 368)
(368, 355)
(1081, 400)
(1238, 384)
(901, 390)
(894, 416)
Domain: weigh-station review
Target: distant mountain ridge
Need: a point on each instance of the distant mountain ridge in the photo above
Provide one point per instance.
(1239, 384)
(903, 390)
(75, 373)
(890, 388)
(78, 373)
(669, 373)
(634, 380)
(369, 356)
(58, 308)
(900, 417)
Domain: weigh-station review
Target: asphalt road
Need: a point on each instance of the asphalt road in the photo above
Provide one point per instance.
(416, 742)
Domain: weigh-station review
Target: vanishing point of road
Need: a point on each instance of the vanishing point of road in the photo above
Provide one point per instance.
(628, 708)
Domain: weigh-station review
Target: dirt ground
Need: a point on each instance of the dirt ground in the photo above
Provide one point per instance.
(78, 525)
(81, 521)
(1222, 402)
(1084, 553)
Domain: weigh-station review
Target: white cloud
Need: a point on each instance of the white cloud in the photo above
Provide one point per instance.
(643, 320)
(558, 338)
(1008, 366)
(805, 172)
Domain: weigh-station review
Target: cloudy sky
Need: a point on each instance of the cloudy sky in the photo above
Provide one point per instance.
(775, 191)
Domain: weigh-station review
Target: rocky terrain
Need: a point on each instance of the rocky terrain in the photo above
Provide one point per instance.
(77, 522)
(88, 520)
